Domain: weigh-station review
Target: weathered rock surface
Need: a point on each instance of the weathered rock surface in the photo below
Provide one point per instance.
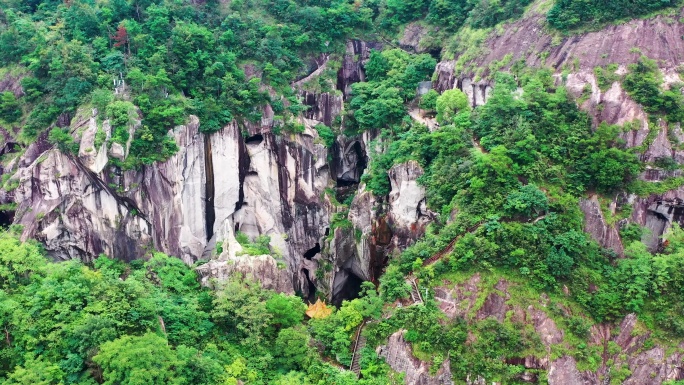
(399, 356)
(659, 38)
(408, 213)
(77, 216)
(648, 366)
(262, 268)
(595, 225)
(354, 59)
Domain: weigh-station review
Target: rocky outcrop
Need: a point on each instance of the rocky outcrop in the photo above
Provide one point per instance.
(352, 71)
(653, 365)
(349, 160)
(477, 91)
(399, 355)
(408, 214)
(658, 38)
(266, 185)
(262, 268)
(412, 37)
(324, 107)
(595, 225)
(75, 214)
(11, 81)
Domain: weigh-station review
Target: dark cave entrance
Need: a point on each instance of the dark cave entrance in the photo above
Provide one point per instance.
(254, 139)
(436, 53)
(313, 251)
(311, 297)
(350, 289)
(6, 218)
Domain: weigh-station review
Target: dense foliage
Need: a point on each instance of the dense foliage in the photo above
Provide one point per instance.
(174, 58)
(151, 323)
(570, 14)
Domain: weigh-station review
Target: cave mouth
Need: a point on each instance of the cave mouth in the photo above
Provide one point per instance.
(351, 289)
(341, 182)
(436, 53)
(254, 139)
(312, 288)
(313, 251)
(6, 218)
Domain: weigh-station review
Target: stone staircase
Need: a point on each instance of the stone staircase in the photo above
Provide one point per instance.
(415, 292)
(359, 343)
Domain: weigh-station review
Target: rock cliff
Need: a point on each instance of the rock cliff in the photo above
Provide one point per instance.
(243, 178)
(647, 363)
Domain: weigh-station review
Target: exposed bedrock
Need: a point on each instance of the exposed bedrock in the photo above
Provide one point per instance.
(648, 365)
(399, 355)
(352, 71)
(595, 224)
(574, 59)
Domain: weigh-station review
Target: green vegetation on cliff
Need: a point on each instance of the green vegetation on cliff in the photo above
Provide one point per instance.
(571, 14)
(151, 323)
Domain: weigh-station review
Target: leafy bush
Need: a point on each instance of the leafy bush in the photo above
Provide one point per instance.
(10, 109)
(643, 83)
(327, 134)
(449, 103)
(259, 246)
(571, 14)
(63, 140)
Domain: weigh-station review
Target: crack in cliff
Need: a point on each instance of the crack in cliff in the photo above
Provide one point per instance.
(244, 163)
(209, 190)
(99, 185)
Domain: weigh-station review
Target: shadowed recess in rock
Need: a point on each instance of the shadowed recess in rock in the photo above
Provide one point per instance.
(313, 251)
(6, 218)
(350, 289)
(311, 297)
(254, 139)
(210, 214)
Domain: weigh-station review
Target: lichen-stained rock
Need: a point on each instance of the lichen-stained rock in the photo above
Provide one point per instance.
(399, 357)
(408, 213)
(76, 215)
(352, 70)
(349, 160)
(563, 371)
(654, 366)
(323, 107)
(172, 195)
(261, 268)
(658, 38)
(595, 225)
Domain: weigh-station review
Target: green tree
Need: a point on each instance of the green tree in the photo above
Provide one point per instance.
(286, 310)
(10, 109)
(138, 360)
(292, 349)
(527, 201)
(450, 103)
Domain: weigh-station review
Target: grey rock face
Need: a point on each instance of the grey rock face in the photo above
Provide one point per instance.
(595, 225)
(324, 107)
(653, 366)
(350, 160)
(399, 356)
(77, 216)
(354, 59)
(408, 214)
(262, 268)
